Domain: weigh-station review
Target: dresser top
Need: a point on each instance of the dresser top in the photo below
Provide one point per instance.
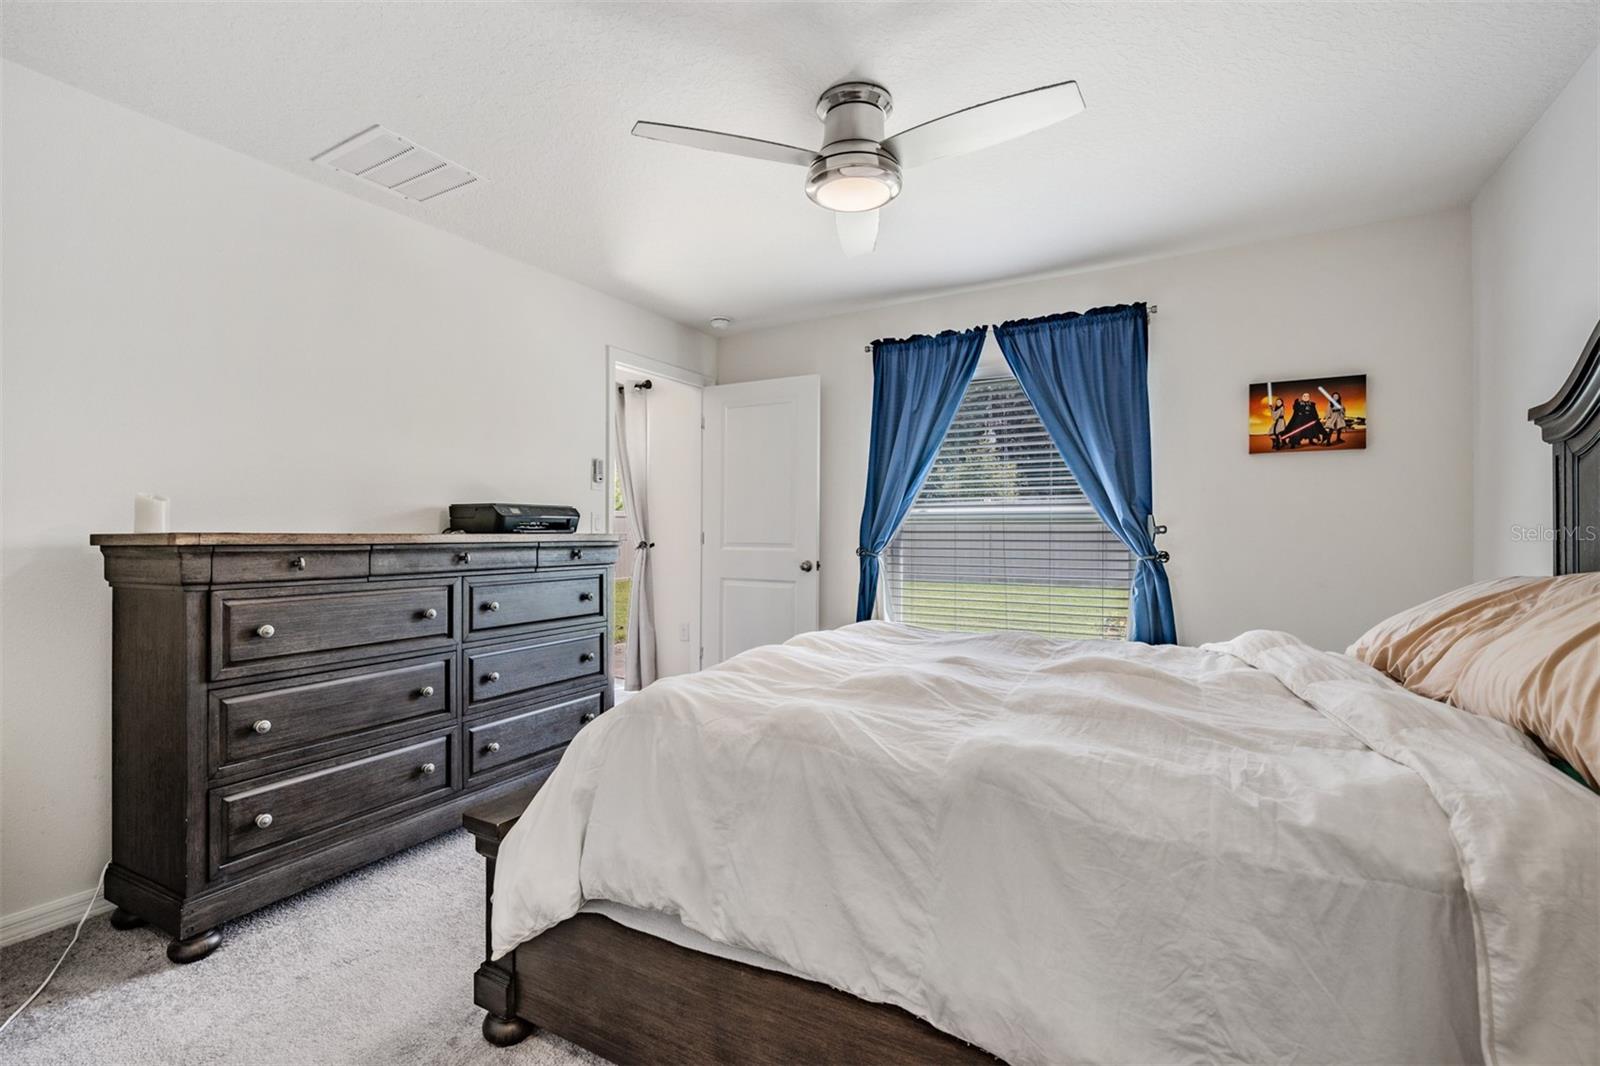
(267, 540)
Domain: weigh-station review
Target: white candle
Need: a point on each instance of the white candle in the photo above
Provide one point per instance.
(149, 513)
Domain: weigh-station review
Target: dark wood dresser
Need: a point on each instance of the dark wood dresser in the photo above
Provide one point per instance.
(287, 707)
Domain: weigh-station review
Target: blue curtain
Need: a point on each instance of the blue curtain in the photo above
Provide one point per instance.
(1086, 375)
(917, 384)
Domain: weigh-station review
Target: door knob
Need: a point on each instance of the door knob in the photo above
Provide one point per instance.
(805, 564)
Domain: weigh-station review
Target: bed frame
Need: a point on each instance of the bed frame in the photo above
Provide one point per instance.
(1570, 422)
(634, 998)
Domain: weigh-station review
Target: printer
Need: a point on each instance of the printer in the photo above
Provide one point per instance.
(512, 518)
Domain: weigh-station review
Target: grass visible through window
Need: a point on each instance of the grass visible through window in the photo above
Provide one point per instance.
(622, 587)
(1056, 610)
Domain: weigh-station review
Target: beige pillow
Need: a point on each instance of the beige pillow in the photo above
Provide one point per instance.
(1525, 650)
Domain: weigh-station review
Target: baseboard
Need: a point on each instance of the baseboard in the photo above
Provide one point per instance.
(26, 924)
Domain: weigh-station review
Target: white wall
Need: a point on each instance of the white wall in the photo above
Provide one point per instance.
(273, 355)
(1323, 544)
(1536, 297)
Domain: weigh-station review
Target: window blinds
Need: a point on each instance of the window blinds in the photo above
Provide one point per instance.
(1001, 536)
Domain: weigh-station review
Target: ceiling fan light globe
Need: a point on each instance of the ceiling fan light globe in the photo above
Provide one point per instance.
(853, 194)
(853, 181)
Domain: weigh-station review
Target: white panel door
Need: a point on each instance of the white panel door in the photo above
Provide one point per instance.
(761, 496)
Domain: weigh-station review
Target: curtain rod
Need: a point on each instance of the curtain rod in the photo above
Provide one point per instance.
(1149, 308)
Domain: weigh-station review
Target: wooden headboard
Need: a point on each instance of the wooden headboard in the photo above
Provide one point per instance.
(1570, 422)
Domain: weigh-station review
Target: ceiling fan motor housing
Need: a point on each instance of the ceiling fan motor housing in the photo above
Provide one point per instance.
(853, 172)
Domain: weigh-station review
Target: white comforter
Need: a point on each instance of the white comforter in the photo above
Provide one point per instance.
(1073, 852)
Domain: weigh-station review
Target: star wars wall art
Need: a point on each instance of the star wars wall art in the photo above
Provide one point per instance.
(1309, 414)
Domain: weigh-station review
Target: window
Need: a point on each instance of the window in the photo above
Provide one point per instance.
(1001, 536)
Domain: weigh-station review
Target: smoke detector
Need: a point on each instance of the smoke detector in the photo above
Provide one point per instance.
(719, 323)
(389, 161)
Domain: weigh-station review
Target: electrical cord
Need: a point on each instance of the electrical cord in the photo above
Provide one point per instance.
(99, 885)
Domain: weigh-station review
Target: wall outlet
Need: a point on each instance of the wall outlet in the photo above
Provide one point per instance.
(683, 632)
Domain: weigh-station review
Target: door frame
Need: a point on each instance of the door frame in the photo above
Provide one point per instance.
(624, 360)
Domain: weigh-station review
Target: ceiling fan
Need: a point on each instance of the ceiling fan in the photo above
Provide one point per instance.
(857, 170)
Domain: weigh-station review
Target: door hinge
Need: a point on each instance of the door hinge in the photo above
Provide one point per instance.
(702, 536)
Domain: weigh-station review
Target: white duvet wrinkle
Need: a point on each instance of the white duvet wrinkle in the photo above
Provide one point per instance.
(1525, 841)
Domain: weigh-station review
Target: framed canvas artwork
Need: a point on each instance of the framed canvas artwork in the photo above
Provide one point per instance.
(1309, 414)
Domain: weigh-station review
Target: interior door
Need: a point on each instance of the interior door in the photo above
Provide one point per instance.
(761, 499)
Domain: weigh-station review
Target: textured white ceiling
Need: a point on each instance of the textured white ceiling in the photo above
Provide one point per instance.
(1206, 123)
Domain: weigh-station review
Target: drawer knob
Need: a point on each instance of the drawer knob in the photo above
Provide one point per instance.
(425, 691)
(577, 553)
(586, 717)
(585, 597)
(262, 726)
(430, 613)
(492, 675)
(464, 557)
(427, 768)
(298, 562)
(492, 605)
(494, 746)
(586, 657)
(265, 630)
(263, 821)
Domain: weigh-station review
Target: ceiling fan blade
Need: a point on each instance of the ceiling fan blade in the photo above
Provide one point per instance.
(982, 125)
(729, 143)
(858, 231)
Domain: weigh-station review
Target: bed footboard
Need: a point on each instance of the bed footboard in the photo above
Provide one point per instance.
(494, 985)
(634, 998)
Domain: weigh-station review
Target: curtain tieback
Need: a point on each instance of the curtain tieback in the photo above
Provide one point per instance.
(1158, 557)
(865, 554)
(644, 545)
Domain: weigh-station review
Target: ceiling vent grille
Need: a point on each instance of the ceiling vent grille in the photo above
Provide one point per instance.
(387, 160)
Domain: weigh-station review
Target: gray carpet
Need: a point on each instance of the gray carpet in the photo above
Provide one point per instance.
(298, 982)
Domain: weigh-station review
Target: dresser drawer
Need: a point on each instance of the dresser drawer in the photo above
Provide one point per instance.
(450, 558)
(231, 566)
(570, 597)
(272, 629)
(508, 669)
(527, 734)
(303, 715)
(576, 555)
(254, 817)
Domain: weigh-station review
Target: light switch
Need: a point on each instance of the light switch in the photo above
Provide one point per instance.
(683, 632)
(597, 471)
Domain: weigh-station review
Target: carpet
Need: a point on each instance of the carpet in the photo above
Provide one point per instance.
(296, 982)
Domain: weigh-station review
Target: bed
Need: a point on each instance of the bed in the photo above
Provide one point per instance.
(878, 844)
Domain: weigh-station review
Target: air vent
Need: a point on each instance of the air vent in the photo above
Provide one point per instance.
(392, 163)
